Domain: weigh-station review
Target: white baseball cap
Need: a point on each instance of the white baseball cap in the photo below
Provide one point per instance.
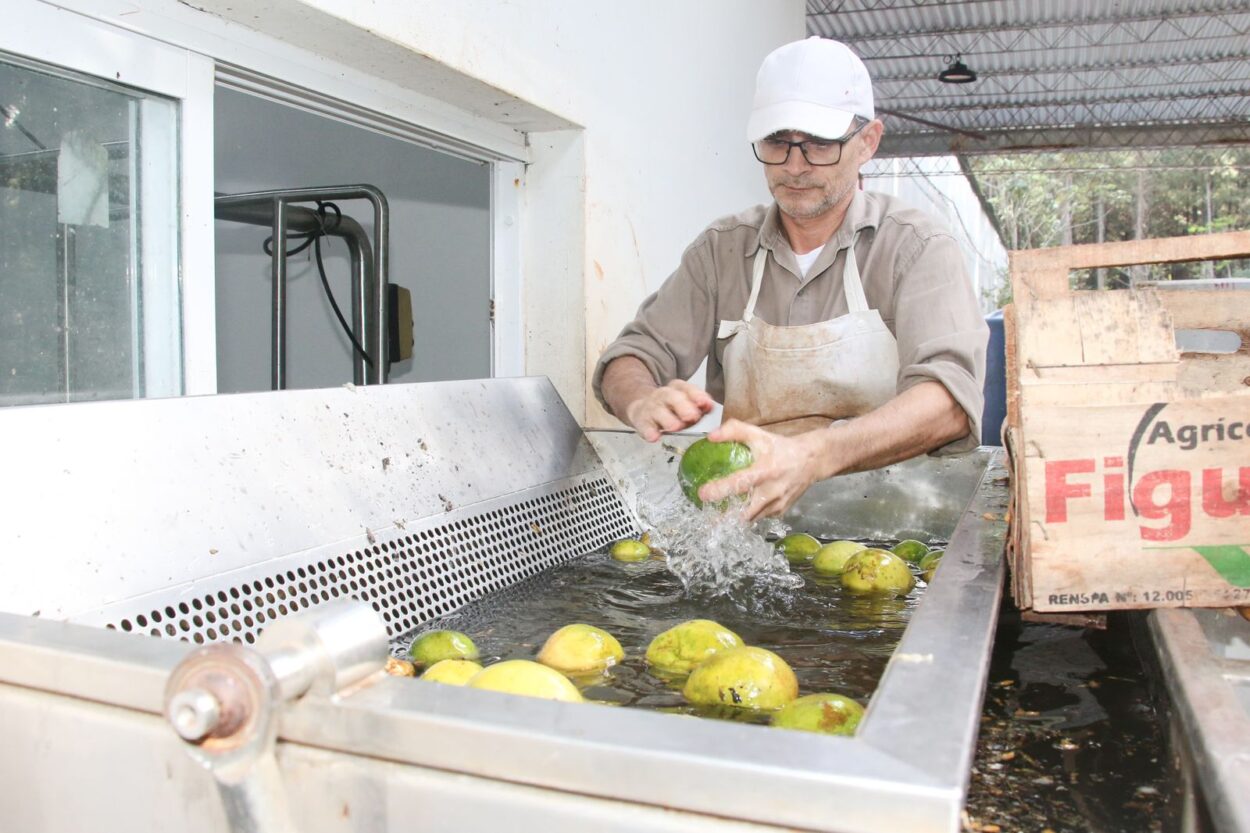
(815, 86)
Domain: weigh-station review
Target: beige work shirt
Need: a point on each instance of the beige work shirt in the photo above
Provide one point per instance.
(913, 273)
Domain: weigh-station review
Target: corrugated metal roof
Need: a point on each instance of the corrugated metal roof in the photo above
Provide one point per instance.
(1051, 73)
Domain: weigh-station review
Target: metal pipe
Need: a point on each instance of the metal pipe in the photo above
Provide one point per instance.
(369, 273)
(278, 323)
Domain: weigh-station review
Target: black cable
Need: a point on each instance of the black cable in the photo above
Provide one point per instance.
(313, 238)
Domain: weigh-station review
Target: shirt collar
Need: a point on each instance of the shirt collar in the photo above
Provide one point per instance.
(859, 215)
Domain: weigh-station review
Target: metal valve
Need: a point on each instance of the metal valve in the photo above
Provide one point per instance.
(223, 700)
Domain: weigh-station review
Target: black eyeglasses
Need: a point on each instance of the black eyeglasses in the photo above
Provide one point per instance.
(817, 152)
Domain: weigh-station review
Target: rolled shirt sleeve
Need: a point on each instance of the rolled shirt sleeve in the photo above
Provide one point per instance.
(941, 333)
(673, 329)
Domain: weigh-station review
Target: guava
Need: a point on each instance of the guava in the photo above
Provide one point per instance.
(931, 558)
(579, 648)
(929, 564)
(705, 461)
(630, 550)
(830, 714)
(452, 671)
(432, 646)
(877, 572)
(798, 547)
(529, 679)
(831, 559)
(744, 678)
(910, 550)
(682, 647)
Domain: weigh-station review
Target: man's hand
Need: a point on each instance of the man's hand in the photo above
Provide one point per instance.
(647, 408)
(920, 419)
(673, 407)
(783, 470)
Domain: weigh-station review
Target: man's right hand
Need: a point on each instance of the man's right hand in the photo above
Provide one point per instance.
(632, 394)
(673, 407)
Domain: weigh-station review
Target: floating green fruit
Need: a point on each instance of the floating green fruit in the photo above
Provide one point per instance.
(452, 671)
(910, 550)
(630, 550)
(529, 679)
(830, 714)
(931, 559)
(798, 547)
(579, 648)
(682, 647)
(744, 678)
(877, 572)
(432, 646)
(831, 559)
(705, 461)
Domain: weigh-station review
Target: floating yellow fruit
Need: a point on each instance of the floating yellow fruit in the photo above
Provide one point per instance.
(798, 547)
(831, 559)
(630, 550)
(580, 648)
(705, 461)
(432, 646)
(830, 714)
(682, 647)
(529, 679)
(745, 678)
(910, 550)
(877, 572)
(452, 671)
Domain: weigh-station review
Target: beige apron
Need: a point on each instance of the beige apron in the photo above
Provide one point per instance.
(795, 379)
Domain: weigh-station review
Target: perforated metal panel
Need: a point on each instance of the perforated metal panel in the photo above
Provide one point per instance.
(409, 575)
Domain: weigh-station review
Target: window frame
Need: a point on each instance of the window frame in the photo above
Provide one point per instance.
(176, 51)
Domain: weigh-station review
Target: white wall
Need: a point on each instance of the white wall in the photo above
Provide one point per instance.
(660, 90)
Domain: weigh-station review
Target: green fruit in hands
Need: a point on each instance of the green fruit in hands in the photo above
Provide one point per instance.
(878, 573)
(684, 646)
(831, 559)
(579, 648)
(529, 679)
(830, 714)
(744, 678)
(798, 547)
(910, 550)
(432, 646)
(630, 550)
(452, 671)
(705, 461)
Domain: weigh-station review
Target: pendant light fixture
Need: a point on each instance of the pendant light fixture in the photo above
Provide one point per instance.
(956, 71)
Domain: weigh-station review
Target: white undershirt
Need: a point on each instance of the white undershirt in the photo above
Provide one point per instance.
(806, 261)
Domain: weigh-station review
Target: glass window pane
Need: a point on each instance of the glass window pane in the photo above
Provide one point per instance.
(88, 239)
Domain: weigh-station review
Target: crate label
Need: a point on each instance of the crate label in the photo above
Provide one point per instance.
(1157, 496)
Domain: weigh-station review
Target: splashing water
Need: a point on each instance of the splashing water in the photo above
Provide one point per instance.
(717, 553)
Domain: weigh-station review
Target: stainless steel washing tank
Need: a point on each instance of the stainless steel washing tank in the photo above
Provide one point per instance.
(139, 530)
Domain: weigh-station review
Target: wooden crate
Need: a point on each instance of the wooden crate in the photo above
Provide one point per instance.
(1130, 461)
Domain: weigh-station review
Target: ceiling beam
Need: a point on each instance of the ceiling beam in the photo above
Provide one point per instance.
(933, 143)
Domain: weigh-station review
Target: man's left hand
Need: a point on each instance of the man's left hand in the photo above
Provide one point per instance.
(783, 470)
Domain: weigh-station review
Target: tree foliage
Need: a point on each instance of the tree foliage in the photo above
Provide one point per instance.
(1054, 199)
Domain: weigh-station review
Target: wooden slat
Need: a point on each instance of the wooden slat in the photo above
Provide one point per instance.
(1222, 246)
(1094, 328)
(1214, 309)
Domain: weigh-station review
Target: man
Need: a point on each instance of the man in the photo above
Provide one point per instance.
(840, 330)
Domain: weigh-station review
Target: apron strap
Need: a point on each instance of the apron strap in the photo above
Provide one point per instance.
(757, 280)
(852, 286)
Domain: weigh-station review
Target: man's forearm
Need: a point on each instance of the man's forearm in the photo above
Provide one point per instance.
(920, 419)
(625, 380)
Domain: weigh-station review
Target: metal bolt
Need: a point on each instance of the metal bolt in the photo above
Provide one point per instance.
(195, 714)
